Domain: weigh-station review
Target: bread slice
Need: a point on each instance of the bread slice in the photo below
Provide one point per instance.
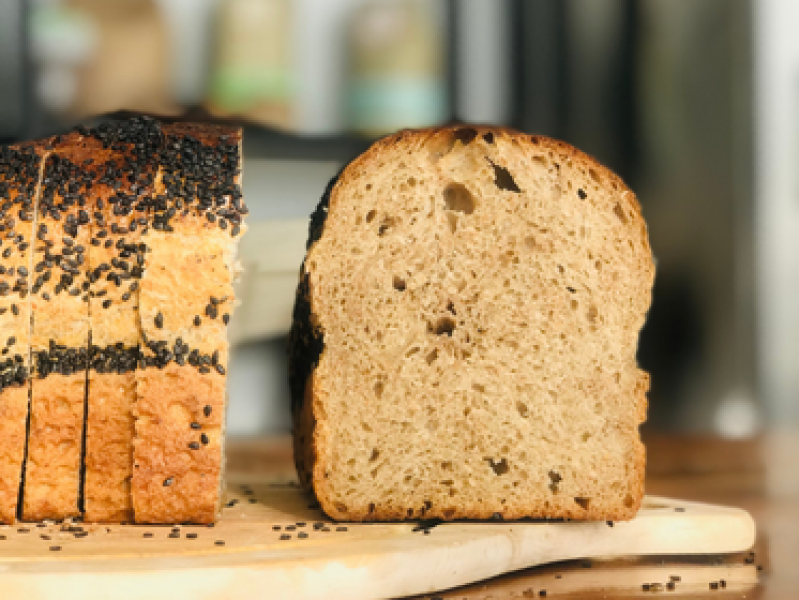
(60, 332)
(125, 164)
(465, 332)
(20, 172)
(185, 301)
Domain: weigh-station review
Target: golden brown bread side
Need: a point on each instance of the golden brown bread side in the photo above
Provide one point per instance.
(20, 168)
(465, 333)
(185, 302)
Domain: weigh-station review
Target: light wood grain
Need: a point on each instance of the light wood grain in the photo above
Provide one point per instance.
(365, 561)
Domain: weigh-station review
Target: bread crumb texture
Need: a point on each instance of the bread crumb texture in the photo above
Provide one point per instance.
(474, 300)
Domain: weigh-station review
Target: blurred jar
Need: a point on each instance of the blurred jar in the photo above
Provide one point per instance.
(251, 76)
(396, 63)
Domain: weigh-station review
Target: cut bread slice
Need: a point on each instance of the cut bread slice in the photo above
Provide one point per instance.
(60, 333)
(20, 173)
(125, 165)
(465, 332)
(185, 302)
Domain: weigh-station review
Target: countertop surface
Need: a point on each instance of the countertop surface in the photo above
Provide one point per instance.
(760, 475)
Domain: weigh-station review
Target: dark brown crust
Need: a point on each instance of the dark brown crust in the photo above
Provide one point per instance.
(306, 341)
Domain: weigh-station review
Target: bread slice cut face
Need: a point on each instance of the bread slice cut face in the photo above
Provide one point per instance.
(465, 333)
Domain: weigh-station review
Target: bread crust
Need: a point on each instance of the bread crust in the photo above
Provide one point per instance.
(310, 431)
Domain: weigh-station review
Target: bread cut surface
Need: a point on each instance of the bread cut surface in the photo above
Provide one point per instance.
(465, 333)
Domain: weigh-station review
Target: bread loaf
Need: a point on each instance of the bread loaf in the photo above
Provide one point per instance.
(126, 215)
(465, 331)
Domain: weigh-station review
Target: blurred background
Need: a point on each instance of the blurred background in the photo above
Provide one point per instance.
(694, 104)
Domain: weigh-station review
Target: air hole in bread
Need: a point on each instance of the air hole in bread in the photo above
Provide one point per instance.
(458, 198)
(488, 137)
(586, 436)
(385, 225)
(594, 175)
(452, 219)
(504, 180)
(554, 480)
(583, 502)
(541, 160)
(411, 181)
(379, 389)
(619, 212)
(499, 467)
(593, 313)
(629, 501)
(443, 325)
(432, 356)
(372, 507)
(399, 283)
(370, 216)
(449, 513)
(412, 351)
(366, 427)
(479, 388)
(340, 507)
(375, 455)
(465, 135)
(521, 407)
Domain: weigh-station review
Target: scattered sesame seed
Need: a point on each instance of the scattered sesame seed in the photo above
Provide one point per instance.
(191, 536)
(302, 535)
(194, 445)
(714, 585)
(55, 548)
(207, 410)
(204, 439)
(219, 543)
(285, 536)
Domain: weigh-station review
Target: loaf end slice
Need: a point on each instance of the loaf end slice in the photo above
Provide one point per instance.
(465, 333)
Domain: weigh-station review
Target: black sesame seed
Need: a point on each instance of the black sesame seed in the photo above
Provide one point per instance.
(207, 410)
(714, 585)
(219, 543)
(220, 369)
(276, 528)
(226, 318)
(173, 535)
(285, 536)
(168, 481)
(191, 536)
(302, 535)
(147, 534)
(341, 529)
(197, 321)
(55, 548)
(204, 439)
(194, 445)
(196, 425)
(159, 320)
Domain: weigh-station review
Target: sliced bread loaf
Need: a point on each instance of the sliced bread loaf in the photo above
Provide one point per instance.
(465, 332)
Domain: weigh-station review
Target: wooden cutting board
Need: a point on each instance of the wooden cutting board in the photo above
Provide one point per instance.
(273, 542)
